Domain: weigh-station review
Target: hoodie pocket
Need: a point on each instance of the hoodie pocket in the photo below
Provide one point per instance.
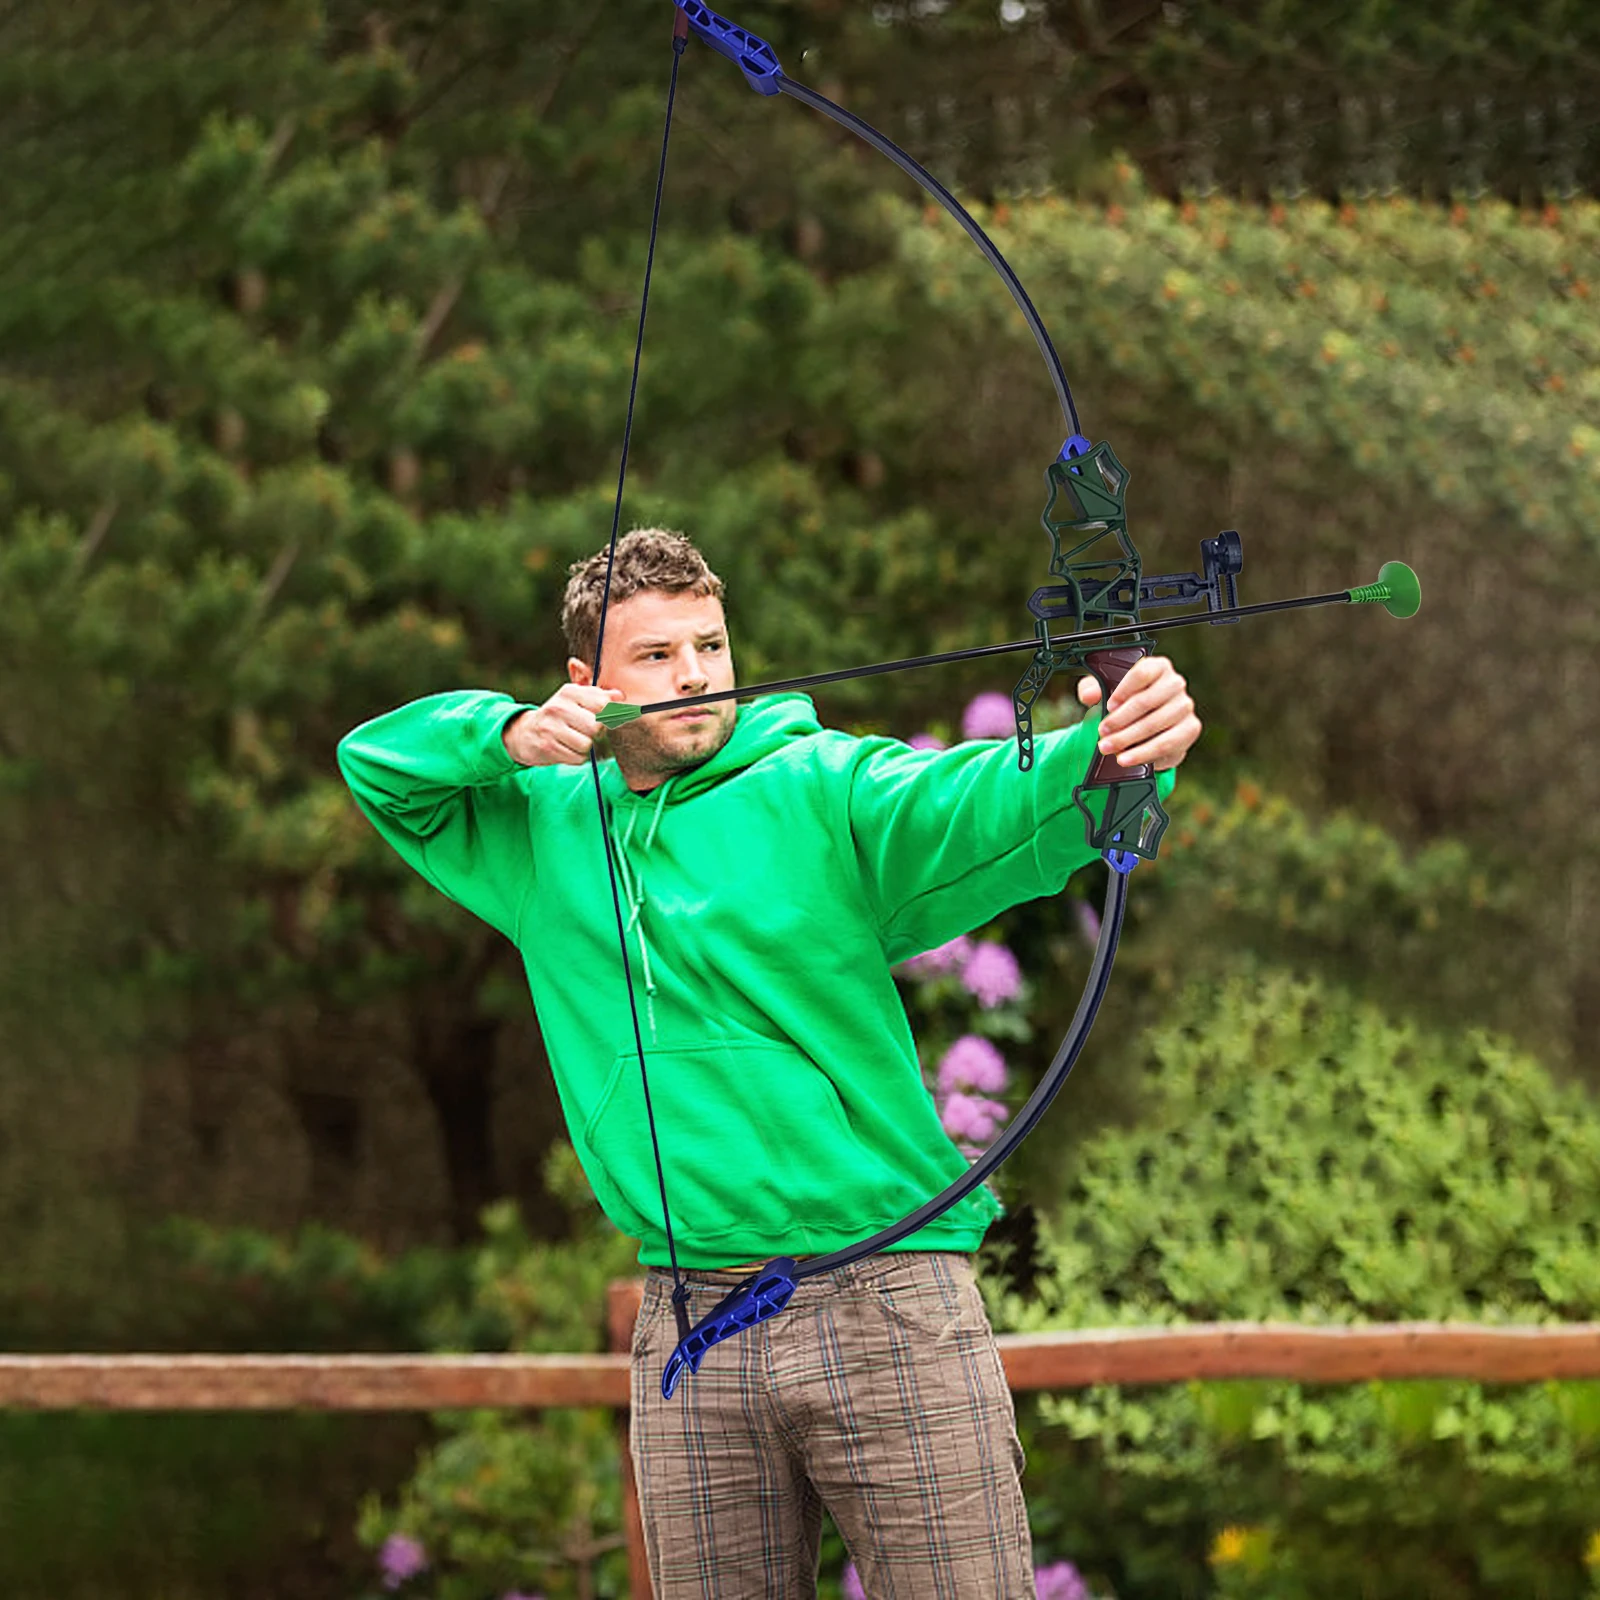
(754, 1139)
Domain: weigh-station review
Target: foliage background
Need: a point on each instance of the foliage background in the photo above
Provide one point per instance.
(314, 331)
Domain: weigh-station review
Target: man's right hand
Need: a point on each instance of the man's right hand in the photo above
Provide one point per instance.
(562, 731)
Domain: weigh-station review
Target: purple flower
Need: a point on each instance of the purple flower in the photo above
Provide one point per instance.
(972, 1063)
(1062, 1581)
(989, 716)
(992, 975)
(968, 1116)
(941, 961)
(926, 741)
(1088, 921)
(854, 1589)
(402, 1557)
(519, 1595)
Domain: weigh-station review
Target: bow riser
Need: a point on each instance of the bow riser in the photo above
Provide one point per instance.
(1087, 520)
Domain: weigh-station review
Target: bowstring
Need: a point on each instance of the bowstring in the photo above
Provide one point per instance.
(680, 1293)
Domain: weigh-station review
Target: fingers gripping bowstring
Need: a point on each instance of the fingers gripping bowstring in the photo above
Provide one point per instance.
(680, 1293)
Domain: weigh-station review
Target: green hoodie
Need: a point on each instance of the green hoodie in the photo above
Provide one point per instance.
(766, 895)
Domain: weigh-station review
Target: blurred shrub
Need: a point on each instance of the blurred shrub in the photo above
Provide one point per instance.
(1302, 1158)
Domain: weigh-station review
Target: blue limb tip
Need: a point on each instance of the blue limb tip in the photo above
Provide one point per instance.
(754, 57)
(1077, 445)
(760, 1296)
(1120, 861)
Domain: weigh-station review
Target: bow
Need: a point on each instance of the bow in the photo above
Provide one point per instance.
(1100, 599)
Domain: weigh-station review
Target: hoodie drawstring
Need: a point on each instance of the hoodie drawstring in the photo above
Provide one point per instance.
(633, 891)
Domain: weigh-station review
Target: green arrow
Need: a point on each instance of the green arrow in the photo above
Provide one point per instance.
(1397, 591)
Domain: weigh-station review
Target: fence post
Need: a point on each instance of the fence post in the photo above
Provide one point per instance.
(623, 1296)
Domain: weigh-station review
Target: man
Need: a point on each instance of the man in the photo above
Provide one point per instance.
(772, 872)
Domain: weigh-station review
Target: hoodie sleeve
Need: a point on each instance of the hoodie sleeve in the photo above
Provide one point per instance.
(435, 780)
(947, 840)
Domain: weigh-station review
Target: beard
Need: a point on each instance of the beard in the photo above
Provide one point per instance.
(663, 752)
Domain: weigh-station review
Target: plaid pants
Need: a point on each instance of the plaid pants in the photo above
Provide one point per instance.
(877, 1394)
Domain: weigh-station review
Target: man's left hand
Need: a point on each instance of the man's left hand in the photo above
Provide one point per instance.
(1151, 717)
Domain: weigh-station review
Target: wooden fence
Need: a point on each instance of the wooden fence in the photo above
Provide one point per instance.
(1071, 1360)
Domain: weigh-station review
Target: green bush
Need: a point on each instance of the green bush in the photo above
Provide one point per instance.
(1302, 1158)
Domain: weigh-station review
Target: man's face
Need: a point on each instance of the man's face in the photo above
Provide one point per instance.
(665, 647)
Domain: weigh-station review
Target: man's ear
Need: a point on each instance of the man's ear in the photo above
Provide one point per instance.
(578, 671)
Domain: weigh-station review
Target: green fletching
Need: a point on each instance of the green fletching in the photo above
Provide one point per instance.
(1396, 590)
(613, 716)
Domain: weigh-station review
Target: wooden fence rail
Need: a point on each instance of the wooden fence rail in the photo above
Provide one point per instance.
(1068, 1360)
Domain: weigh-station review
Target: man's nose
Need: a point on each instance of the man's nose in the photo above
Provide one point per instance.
(690, 670)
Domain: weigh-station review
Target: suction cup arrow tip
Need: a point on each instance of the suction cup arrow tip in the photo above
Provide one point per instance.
(1397, 590)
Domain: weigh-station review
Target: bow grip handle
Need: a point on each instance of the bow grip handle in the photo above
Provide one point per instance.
(1131, 821)
(1109, 668)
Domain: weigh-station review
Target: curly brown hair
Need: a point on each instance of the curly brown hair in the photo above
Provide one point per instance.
(647, 558)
